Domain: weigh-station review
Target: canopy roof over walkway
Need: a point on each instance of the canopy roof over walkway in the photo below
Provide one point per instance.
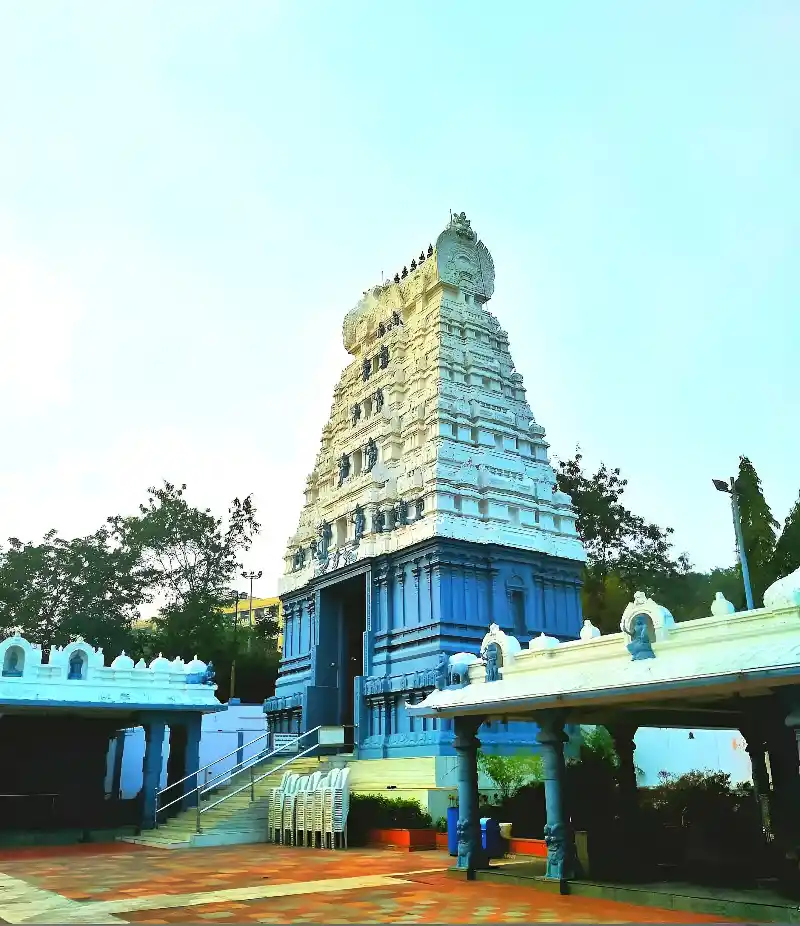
(708, 672)
(728, 670)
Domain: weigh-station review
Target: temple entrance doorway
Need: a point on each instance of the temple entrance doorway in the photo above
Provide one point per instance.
(342, 626)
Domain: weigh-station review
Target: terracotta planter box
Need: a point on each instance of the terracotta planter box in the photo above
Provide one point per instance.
(441, 841)
(406, 840)
(535, 847)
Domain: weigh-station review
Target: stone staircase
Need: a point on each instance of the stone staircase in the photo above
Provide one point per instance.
(235, 821)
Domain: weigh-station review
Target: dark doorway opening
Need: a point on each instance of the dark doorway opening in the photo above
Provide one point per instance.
(53, 773)
(342, 626)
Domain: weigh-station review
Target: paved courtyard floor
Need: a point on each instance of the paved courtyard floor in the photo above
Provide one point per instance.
(123, 883)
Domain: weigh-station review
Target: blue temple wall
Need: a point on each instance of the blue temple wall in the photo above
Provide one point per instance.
(438, 596)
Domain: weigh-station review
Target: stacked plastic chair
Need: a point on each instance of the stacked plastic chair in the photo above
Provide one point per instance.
(304, 810)
(341, 809)
(275, 810)
(318, 816)
(310, 806)
(293, 785)
(337, 806)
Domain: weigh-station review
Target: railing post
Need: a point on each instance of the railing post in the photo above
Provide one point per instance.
(252, 786)
(197, 827)
(155, 815)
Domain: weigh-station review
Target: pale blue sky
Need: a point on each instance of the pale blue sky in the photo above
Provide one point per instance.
(193, 194)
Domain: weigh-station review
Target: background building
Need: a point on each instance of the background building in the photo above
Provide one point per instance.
(260, 605)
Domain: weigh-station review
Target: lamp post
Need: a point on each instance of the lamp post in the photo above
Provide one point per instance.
(252, 576)
(240, 596)
(721, 486)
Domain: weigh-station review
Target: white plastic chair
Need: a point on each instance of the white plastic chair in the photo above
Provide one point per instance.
(293, 786)
(275, 811)
(337, 806)
(304, 810)
(318, 813)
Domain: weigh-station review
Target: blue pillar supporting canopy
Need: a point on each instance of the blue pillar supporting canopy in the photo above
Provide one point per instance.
(153, 763)
(470, 850)
(562, 859)
(193, 730)
(116, 768)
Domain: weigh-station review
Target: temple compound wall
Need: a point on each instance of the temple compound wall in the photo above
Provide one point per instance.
(431, 512)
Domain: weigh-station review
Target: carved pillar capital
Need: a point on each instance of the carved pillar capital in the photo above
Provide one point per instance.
(551, 730)
(623, 735)
(466, 730)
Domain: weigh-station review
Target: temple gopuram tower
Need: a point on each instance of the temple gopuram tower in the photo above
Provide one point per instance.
(431, 512)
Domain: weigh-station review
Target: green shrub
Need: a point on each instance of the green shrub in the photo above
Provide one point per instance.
(699, 797)
(376, 812)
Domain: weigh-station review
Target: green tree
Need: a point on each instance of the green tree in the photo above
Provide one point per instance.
(787, 550)
(189, 557)
(625, 553)
(184, 552)
(510, 773)
(58, 589)
(758, 528)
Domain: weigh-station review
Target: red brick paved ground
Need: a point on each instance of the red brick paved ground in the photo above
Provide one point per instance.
(429, 899)
(112, 872)
(123, 873)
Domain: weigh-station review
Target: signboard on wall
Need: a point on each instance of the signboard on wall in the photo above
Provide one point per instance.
(284, 742)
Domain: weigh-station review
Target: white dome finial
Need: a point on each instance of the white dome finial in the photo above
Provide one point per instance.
(785, 593)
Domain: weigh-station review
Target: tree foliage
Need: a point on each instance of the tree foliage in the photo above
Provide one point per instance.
(759, 528)
(625, 552)
(510, 773)
(184, 552)
(58, 589)
(171, 552)
(786, 558)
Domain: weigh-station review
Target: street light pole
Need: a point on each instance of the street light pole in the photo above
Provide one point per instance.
(252, 575)
(233, 663)
(721, 486)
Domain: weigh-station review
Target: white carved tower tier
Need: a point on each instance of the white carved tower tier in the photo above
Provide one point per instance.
(430, 432)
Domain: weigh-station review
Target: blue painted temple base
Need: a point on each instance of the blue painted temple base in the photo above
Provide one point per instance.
(365, 640)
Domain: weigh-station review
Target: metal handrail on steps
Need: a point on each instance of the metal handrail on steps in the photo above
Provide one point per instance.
(249, 765)
(271, 771)
(196, 775)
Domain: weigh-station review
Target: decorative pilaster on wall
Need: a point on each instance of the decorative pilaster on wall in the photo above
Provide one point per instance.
(430, 566)
(562, 859)
(381, 581)
(400, 581)
(313, 632)
(471, 854)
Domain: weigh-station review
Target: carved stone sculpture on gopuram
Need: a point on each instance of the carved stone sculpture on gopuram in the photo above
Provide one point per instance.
(441, 504)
